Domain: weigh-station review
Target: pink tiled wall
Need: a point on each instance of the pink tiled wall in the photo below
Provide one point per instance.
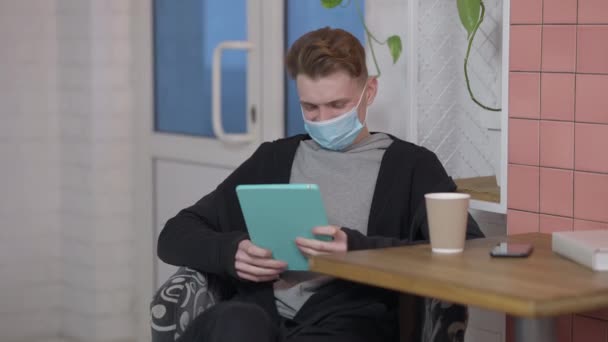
(558, 126)
(558, 115)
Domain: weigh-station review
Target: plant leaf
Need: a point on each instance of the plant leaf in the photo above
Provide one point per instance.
(469, 11)
(394, 46)
(330, 3)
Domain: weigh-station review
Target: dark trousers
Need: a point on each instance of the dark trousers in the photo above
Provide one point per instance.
(237, 321)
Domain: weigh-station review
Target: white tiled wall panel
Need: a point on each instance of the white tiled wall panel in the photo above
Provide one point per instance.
(89, 303)
(41, 273)
(30, 245)
(39, 249)
(96, 183)
(102, 279)
(82, 327)
(96, 254)
(101, 204)
(66, 209)
(449, 123)
(32, 326)
(81, 227)
(33, 298)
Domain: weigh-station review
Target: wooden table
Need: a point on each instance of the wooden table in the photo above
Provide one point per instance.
(542, 285)
(480, 188)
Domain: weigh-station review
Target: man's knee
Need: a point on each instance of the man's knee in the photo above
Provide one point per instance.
(239, 313)
(240, 321)
(232, 321)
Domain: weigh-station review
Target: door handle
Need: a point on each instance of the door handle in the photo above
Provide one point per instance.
(216, 97)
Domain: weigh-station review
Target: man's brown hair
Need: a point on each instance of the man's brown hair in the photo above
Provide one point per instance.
(325, 51)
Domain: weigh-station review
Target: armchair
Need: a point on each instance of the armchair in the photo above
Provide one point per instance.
(187, 293)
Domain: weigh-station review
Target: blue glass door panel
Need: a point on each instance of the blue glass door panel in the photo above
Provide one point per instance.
(186, 33)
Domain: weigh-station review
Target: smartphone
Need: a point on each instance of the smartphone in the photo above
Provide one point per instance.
(511, 250)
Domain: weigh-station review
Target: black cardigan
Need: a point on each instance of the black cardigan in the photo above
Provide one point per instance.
(205, 236)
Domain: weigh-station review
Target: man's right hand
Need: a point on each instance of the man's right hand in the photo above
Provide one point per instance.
(256, 264)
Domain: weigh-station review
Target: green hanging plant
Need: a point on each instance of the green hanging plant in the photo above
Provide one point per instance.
(393, 42)
(468, 11)
(471, 13)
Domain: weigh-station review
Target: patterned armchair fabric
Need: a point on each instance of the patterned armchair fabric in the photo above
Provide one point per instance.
(184, 296)
(188, 293)
(443, 321)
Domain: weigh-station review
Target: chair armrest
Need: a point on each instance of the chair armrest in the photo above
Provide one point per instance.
(431, 320)
(444, 321)
(185, 295)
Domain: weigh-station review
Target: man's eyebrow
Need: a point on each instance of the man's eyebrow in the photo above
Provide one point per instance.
(307, 103)
(330, 102)
(339, 100)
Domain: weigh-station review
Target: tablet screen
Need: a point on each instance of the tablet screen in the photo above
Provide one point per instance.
(275, 214)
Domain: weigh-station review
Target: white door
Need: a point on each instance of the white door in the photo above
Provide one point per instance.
(205, 106)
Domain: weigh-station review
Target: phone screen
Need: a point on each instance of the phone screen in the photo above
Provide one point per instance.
(510, 249)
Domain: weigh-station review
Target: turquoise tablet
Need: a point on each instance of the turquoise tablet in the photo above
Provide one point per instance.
(275, 214)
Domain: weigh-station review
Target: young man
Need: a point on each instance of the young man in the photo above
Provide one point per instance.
(373, 186)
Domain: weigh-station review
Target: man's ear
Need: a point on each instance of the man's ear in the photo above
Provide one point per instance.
(372, 89)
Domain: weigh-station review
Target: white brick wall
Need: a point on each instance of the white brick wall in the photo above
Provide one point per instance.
(96, 185)
(30, 290)
(66, 213)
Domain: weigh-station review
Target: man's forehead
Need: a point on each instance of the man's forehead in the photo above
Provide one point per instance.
(335, 78)
(334, 87)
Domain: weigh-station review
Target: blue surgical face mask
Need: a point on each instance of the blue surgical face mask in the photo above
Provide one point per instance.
(338, 133)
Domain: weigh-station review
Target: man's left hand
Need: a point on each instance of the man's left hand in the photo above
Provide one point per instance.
(311, 247)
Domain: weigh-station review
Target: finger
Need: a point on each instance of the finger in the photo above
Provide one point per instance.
(259, 252)
(308, 252)
(325, 230)
(253, 278)
(320, 246)
(261, 262)
(340, 236)
(304, 242)
(254, 270)
(269, 263)
(244, 244)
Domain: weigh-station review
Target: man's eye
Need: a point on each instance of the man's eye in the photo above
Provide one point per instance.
(338, 105)
(309, 107)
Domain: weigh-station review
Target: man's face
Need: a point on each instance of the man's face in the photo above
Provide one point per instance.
(328, 97)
